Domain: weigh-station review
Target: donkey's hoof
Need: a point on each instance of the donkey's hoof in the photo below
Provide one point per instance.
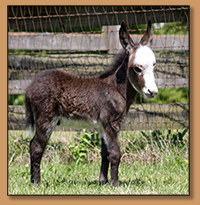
(102, 182)
(114, 183)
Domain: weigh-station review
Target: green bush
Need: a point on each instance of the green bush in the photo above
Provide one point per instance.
(87, 142)
(174, 138)
(16, 99)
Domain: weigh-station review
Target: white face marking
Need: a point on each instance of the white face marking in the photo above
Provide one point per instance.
(145, 58)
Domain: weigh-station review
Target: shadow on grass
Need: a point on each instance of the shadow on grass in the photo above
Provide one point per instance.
(75, 182)
(136, 182)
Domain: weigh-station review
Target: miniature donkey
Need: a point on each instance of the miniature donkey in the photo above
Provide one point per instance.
(101, 101)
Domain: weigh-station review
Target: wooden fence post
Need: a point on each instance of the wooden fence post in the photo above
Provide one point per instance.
(112, 38)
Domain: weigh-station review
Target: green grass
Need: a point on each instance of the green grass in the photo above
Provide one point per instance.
(152, 163)
(167, 95)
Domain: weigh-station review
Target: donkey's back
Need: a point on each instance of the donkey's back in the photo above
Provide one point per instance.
(57, 97)
(101, 101)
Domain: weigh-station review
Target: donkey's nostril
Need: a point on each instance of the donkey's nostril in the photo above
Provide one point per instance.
(152, 93)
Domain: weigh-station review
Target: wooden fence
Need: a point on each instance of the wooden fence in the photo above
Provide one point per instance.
(140, 117)
(108, 40)
(172, 54)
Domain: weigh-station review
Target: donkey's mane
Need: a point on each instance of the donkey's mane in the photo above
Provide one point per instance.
(113, 67)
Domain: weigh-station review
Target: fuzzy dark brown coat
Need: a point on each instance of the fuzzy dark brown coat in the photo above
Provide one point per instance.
(102, 101)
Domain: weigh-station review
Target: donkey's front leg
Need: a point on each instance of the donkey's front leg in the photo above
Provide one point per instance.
(103, 178)
(114, 158)
(114, 154)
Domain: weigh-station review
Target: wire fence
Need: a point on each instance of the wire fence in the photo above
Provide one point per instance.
(83, 40)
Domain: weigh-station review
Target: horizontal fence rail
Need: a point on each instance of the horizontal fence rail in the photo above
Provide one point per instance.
(169, 65)
(140, 117)
(84, 39)
(89, 42)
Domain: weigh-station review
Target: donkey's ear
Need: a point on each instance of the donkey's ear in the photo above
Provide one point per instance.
(148, 36)
(125, 39)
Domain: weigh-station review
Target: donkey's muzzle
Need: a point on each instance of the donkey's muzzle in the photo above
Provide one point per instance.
(152, 94)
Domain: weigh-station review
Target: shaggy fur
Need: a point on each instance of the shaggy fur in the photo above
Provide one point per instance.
(100, 101)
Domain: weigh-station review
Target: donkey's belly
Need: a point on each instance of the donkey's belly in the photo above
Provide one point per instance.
(80, 123)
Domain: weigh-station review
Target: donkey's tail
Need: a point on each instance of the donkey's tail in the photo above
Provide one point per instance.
(29, 116)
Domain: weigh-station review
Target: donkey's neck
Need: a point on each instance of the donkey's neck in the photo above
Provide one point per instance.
(128, 93)
(124, 87)
(131, 94)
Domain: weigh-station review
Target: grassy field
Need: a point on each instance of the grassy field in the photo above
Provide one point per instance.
(152, 163)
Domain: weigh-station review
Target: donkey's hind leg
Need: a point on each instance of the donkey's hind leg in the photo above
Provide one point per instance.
(37, 147)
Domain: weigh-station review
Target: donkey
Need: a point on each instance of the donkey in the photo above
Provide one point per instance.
(101, 102)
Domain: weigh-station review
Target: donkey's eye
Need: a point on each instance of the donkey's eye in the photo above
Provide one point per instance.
(137, 69)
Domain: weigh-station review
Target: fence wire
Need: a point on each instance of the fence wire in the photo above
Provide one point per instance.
(83, 40)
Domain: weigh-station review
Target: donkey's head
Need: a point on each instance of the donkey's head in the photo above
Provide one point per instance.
(141, 61)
